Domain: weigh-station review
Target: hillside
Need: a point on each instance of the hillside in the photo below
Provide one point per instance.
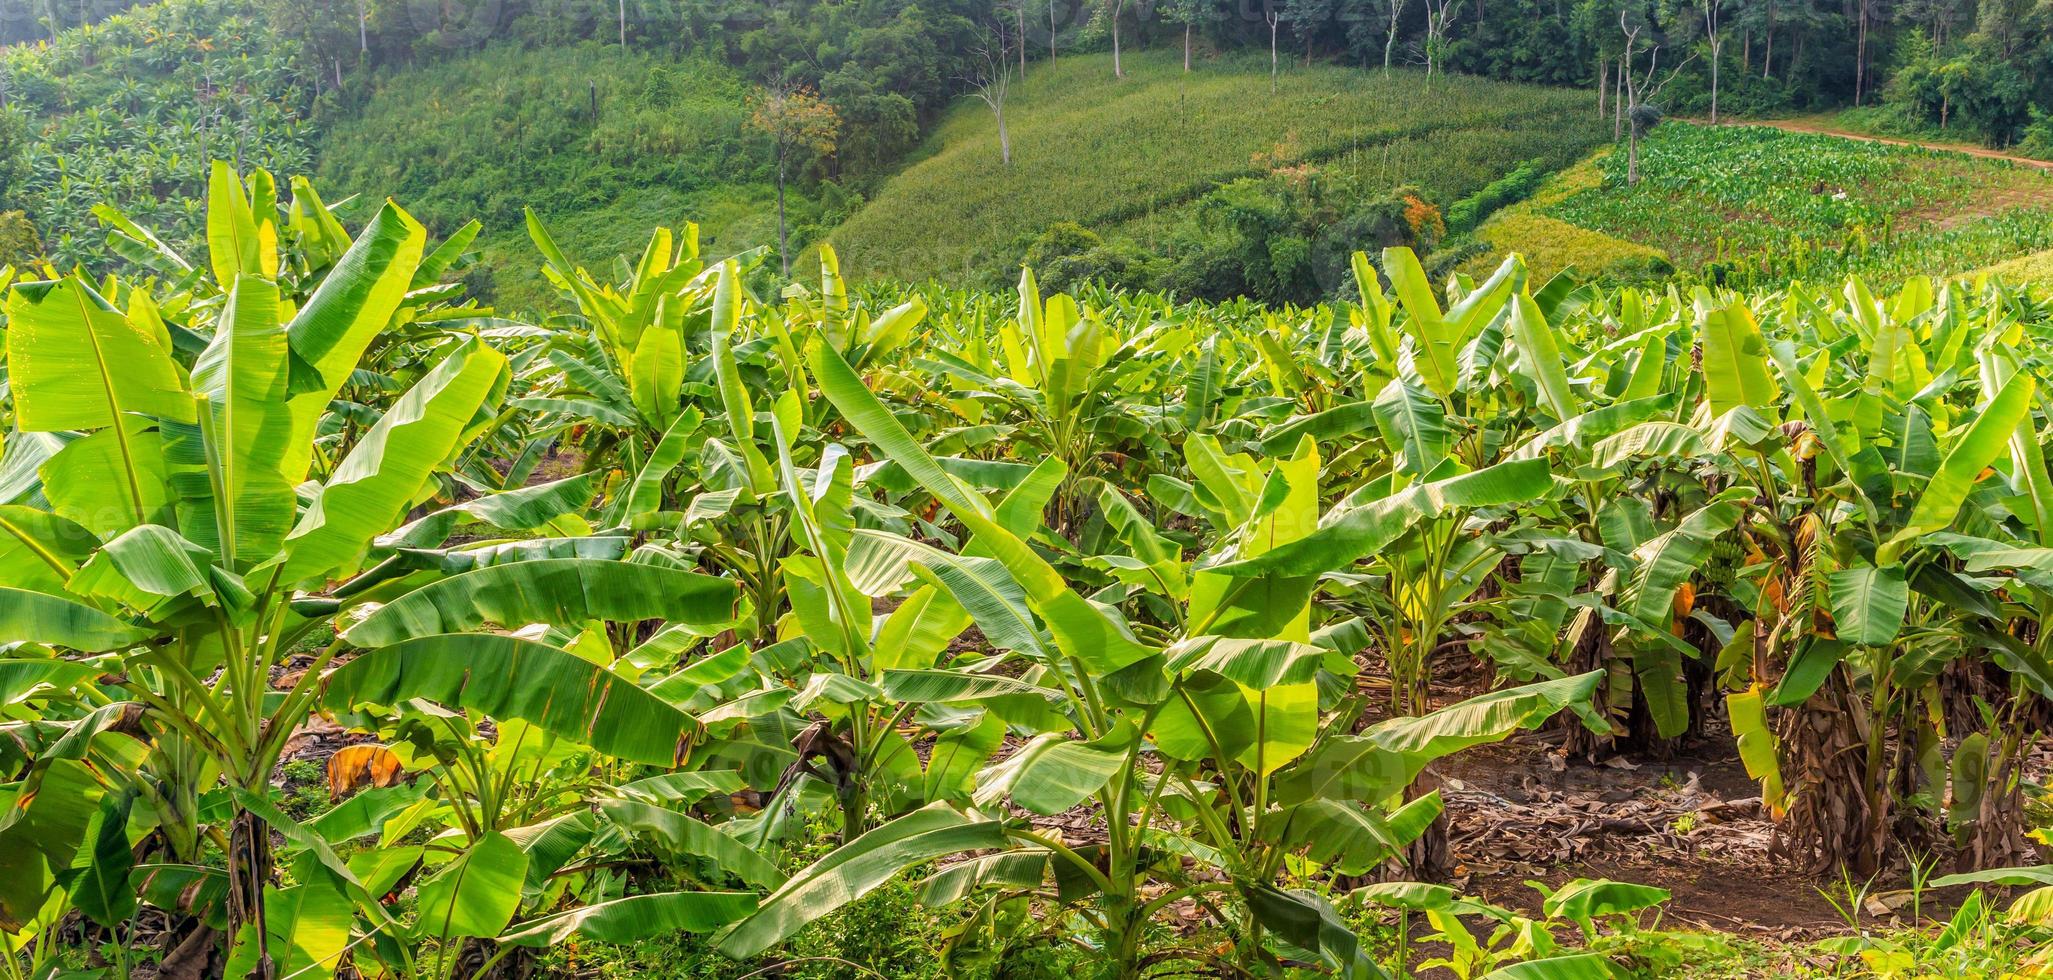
(1126, 156)
(130, 112)
(1763, 205)
(483, 136)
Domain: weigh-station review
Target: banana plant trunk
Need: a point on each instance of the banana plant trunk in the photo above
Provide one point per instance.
(249, 869)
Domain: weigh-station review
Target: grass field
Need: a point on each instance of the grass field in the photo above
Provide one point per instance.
(482, 136)
(1551, 245)
(1125, 155)
(2036, 268)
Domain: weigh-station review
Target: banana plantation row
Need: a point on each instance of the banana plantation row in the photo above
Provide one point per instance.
(626, 603)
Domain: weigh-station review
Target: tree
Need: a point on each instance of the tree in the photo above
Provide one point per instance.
(1191, 13)
(1640, 91)
(1440, 15)
(1306, 17)
(797, 121)
(1115, 7)
(1864, 14)
(1390, 37)
(989, 81)
(1714, 38)
(1269, 14)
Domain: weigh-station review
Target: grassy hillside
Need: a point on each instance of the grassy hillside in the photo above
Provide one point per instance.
(1123, 156)
(2036, 268)
(1769, 206)
(482, 136)
(1551, 245)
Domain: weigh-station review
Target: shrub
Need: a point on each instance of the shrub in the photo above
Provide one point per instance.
(1509, 189)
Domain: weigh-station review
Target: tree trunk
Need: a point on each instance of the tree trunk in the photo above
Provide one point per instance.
(1429, 38)
(1860, 57)
(1117, 70)
(1186, 47)
(1004, 140)
(1603, 87)
(1715, 46)
(1272, 55)
(623, 23)
(783, 236)
(1022, 40)
(1051, 32)
(1618, 101)
(1768, 55)
(249, 870)
(1390, 39)
(363, 36)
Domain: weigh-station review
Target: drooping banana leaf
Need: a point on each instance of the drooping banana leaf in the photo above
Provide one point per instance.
(504, 677)
(855, 869)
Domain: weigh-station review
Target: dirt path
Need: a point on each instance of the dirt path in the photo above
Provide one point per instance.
(1813, 125)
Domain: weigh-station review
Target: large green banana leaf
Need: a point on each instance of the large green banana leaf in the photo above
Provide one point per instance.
(386, 470)
(74, 362)
(636, 917)
(504, 677)
(36, 617)
(1346, 535)
(243, 379)
(474, 895)
(1383, 761)
(857, 868)
(559, 591)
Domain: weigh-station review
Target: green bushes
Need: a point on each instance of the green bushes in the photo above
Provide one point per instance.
(1969, 93)
(1073, 255)
(1274, 240)
(482, 135)
(1464, 215)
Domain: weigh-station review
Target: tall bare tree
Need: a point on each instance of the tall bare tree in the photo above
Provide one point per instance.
(1116, 7)
(1269, 13)
(1714, 39)
(1390, 36)
(1641, 90)
(1440, 15)
(990, 80)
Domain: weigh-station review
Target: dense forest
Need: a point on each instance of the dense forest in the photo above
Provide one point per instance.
(1980, 67)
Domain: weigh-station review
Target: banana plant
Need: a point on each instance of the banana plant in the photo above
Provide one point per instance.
(1057, 382)
(177, 549)
(1518, 945)
(1876, 566)
(1228, 711)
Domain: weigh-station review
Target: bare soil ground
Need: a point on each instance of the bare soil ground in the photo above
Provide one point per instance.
(1694, 824)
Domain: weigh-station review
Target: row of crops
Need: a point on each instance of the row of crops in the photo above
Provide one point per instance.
(1752, 205)
(1093, 614)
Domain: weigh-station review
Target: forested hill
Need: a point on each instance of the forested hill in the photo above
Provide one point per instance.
(791, 122)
